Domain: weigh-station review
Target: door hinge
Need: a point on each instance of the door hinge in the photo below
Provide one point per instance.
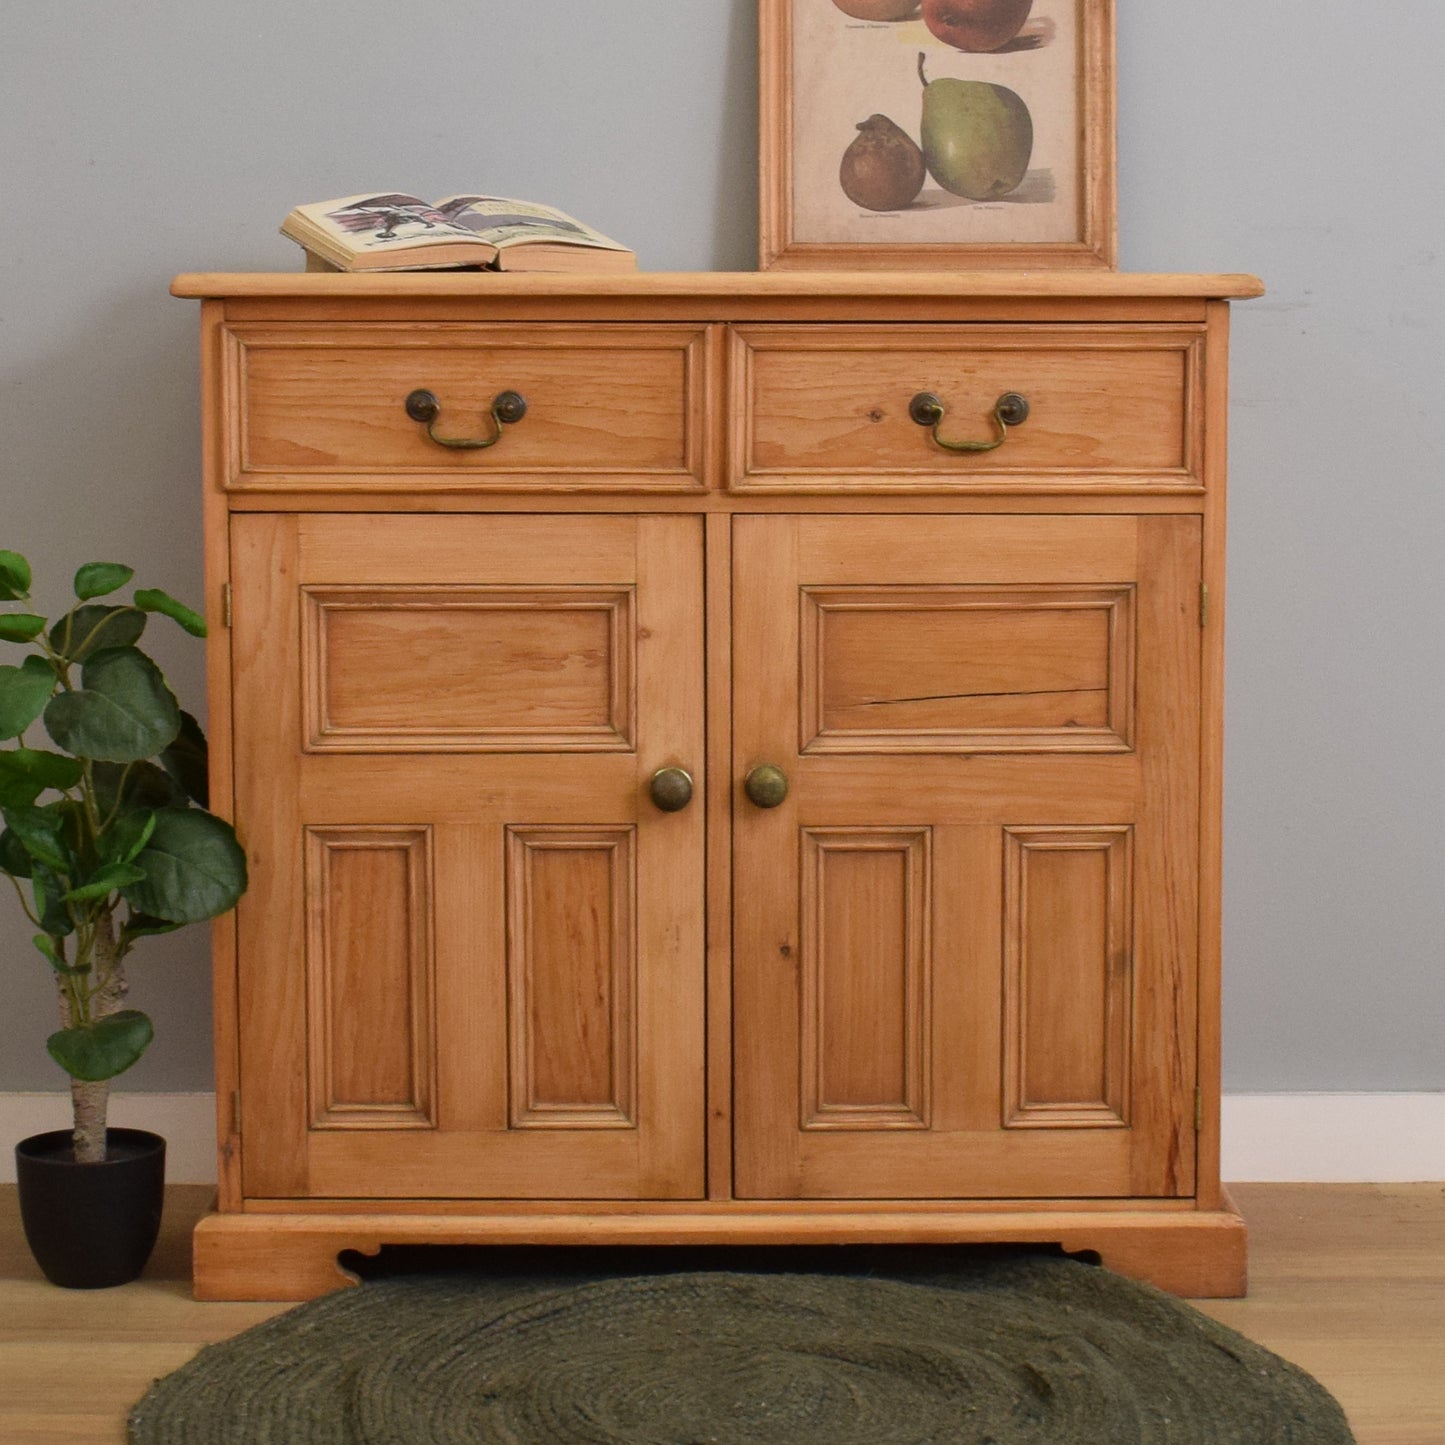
(1204, 604)
(225, 604)
(1198, 1110)
(236, 1112)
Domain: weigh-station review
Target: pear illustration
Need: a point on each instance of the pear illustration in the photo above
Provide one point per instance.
(977, 137)
(882, 170)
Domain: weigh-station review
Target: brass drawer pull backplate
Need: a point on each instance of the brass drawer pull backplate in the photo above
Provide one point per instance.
(508, 407)
(1011, 409)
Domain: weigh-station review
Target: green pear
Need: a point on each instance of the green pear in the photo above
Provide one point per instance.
(977, 137)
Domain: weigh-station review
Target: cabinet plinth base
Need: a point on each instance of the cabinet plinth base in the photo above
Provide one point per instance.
(1195, 1253)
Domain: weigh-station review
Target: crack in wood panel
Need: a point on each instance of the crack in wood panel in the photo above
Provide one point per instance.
(1032, 668)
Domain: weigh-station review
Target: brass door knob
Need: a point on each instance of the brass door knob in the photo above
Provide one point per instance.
(671, 789)
(766, 786)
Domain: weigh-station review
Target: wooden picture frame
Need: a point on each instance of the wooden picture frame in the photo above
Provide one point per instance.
(824, 71)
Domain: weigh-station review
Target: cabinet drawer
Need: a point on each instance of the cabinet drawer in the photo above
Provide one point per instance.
(323, 408)
(826, 409)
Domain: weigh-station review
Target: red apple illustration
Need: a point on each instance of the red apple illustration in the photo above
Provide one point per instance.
(878, 9)
(976, 24)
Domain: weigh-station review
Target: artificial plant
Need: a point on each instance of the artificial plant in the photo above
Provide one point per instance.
(107, 830)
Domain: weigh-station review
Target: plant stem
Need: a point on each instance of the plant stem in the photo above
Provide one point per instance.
(90, 1099)
(20, 894)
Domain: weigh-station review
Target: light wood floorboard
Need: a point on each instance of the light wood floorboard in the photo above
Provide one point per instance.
(1346, 1280)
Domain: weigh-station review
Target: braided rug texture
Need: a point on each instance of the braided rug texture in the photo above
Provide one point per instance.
(1041, 1350)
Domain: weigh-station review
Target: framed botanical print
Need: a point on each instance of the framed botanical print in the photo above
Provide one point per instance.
(942, 134)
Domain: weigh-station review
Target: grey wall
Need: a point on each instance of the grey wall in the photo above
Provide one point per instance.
(1251, 138)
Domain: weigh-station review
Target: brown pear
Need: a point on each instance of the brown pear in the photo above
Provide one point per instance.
(883, 169)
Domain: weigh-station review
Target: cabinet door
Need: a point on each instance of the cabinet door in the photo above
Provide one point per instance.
(967, 938)
(471, 956)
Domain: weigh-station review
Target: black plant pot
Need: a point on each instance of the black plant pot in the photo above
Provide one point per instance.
(91, 1226)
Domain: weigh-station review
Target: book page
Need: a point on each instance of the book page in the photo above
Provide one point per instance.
(380, 222)
(505, 222)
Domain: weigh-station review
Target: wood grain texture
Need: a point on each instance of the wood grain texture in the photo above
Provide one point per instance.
(1211, 753)
(241, 1256)
(1106, 1142)
(1068, 976)
(216, 608)
(468, 669)
(827, 408)
(1005, 659)
(371, 978)
(606, 407)
(967, 669)
(718, 904)
(527, 968)
(866, 911)
(572, 973)
(700, 286)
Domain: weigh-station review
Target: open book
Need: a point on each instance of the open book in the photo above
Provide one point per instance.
(404, 233)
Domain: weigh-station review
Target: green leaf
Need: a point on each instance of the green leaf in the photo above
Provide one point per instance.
(85, 630)
(194, 868)
(96, 579)
(46, 944)
(14, 577)
(103, 882)
(14, 860)
(152, 599)
(20, 626)
(25, 773)
(54, 917)
(24, 691)
(40, 830)
(127, 836)
(145, 786)
(186, 760)
(122, 712)
(102, 1050)
(142, 925)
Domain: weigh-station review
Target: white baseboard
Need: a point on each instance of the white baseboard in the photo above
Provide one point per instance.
(1333, 1138)
(1306, 1138)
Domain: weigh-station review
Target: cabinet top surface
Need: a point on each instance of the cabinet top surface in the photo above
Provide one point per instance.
(713, 285)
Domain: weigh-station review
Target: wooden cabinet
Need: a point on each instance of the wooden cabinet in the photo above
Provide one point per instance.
(952, 976)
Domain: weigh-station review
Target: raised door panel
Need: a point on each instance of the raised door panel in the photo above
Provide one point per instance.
(471, 956)
(967, 938)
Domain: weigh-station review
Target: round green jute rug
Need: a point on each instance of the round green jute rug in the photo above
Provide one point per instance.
(1013, 1350)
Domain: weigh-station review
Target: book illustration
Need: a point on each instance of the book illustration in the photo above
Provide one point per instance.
(394, 231)
(383, 218)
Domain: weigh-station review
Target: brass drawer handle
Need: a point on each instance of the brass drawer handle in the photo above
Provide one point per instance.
(507, 407)
(671, 789)
(766, 786)
(1010, 409)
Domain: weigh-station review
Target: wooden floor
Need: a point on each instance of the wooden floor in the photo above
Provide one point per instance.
(1346, 1280)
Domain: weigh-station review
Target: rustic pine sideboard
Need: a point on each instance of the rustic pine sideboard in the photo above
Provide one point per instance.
(723, 758)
